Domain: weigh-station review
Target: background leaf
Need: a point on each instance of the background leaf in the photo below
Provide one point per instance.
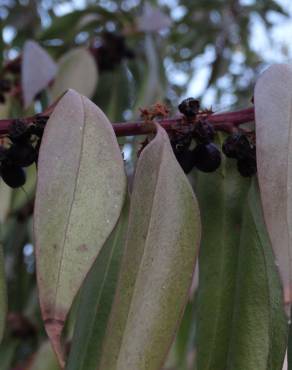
(37, 70)
(80, 192)
(273, 99)
(241, 322)
(221, 197)
(160, 253)
(78, 71)
(259, 324)
(45, 358)
(3, 295)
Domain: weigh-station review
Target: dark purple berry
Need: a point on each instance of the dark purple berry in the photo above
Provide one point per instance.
(19, 132)
(236, 146)
(186, 160)
(21, 154)
(247, 167)
(189, 107)
(207, 157)
(13, 176)
(204, 132)
(181, 144)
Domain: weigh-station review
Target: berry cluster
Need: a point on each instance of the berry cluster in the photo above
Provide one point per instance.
(206, 156)
(22, 152)
(110, 51)
(239, 147)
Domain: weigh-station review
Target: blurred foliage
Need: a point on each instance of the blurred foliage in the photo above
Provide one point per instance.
(137, 67)
(214, 34)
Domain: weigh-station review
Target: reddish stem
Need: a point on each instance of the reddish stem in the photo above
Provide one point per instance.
(222, 122)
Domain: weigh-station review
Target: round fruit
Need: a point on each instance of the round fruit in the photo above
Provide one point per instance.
(13, 176)
(181, 144)
(204, 132)
(186, 160)
(189, 107)
(18, 132)
(247, 167)
(207, 157)
(21, 154)
(236, 146)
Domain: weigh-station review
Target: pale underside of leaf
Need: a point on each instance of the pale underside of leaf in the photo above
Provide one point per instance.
(78, 71)
(37, 71)
(161, 248)
(80, 192)
(96, 299)
(273, 116)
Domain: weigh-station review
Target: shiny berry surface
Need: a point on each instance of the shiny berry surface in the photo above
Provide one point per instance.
(13, 176)
(186, 160)
(208, 157)
(22, 155)
(203, 132)
(236, 146)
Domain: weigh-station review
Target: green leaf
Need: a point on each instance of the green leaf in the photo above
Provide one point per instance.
(157, 267)
(241, 320)
(37, 70)
(96, 299)
(45, 359)
(25, 194)
(221, 197)
(3, 295)
(78, 71)
(7, 352)
(80, 193)
(5, 201)
(273, 95)
(259, 324)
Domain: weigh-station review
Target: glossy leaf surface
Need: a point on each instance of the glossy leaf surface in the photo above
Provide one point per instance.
(157, 267)
(80, 192)
(273, 104)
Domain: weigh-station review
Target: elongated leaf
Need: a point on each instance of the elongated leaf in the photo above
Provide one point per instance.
(5, 200)
(45, 359)
(259, 325)
(273, 99)
(7, 351)
(241, 321)
(161, 248)
(78, 71)
(221, 197)
(80, 193)
(37, 70)
(3, 295)
(96, 300)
